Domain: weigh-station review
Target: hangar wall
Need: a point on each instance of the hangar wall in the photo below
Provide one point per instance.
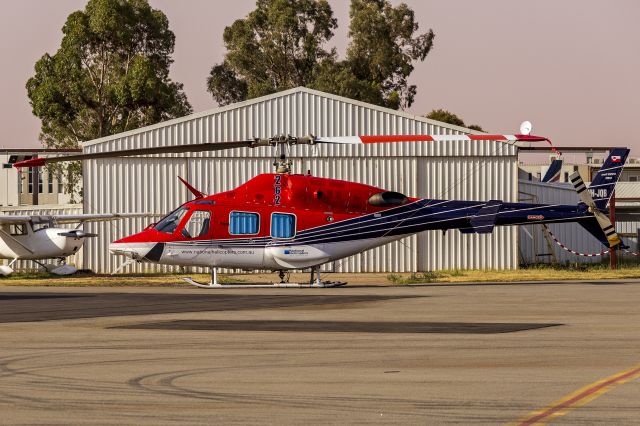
(466, 170)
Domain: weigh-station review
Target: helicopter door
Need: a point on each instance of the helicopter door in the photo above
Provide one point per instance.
(198, 226)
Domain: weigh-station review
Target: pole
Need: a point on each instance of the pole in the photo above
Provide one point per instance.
(613, 255)
(35, 179)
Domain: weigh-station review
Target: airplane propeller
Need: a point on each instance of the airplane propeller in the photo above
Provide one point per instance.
(77, 234)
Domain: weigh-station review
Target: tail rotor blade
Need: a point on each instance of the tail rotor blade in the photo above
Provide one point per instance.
(603, 220)
(607, 228)
(581, 189)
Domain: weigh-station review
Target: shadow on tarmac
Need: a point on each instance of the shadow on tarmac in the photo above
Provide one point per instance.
(29, 296)
(339, 326)
(36, 306)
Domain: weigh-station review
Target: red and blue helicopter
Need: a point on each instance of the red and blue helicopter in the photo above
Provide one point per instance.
(282, 221)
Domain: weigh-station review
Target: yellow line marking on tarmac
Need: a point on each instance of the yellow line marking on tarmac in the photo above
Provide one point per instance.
(578, 398)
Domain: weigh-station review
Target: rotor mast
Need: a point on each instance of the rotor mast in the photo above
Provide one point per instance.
(283, 164)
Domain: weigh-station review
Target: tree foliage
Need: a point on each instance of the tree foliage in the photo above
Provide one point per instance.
(445, 116)
(276, 47)
(448, 117)
(110, 74)
(382, 50)
(280, 45)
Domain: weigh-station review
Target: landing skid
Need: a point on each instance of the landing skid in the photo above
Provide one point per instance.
(324, 284)
(317, 283)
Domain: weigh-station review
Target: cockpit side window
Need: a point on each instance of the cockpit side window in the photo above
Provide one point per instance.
(171, 221)
(197, 225)
(41, 225)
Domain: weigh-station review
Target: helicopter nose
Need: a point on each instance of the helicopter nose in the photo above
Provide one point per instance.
(135, 251)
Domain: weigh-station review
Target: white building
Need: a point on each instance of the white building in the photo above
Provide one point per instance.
(450, 170)
(9, 182)
(23, 187)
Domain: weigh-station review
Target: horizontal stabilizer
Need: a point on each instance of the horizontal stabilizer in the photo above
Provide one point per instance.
(485, 220)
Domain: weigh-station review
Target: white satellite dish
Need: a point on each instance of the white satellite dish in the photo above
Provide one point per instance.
(525, 128)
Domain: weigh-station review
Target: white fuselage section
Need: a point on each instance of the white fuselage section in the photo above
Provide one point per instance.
(46, 243)
(295, 256)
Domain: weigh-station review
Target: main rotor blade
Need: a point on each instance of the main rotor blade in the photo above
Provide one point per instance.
(278, 140)
(356, 140)
(196, 147)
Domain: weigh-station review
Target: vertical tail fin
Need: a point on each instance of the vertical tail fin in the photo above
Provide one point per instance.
(553, 172)
(604, 182)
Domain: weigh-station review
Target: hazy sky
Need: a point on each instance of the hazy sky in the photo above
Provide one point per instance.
(569, 66)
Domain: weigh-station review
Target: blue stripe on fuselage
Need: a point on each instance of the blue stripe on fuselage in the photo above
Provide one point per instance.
(420, 215)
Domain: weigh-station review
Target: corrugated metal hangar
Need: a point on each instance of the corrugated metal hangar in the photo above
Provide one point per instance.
(461, 170)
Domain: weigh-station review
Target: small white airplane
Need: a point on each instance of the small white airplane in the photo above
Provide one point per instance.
(39, 238)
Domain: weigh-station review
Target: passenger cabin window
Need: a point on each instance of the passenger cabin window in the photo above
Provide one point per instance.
(171, 221)
(244, 223)
(283, 225)
(197, 225)
(42, 225)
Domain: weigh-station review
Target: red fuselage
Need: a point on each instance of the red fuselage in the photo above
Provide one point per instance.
(314, 201)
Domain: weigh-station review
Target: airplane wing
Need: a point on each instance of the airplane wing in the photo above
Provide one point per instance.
(69, 218)
(97, 217)
(13, 219)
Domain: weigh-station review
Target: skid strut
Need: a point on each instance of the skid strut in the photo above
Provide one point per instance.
(313, 283)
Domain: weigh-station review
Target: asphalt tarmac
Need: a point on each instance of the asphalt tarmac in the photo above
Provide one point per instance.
(433, 354)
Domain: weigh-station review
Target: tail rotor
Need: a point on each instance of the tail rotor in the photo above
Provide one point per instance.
(598, 194)
(605, 224)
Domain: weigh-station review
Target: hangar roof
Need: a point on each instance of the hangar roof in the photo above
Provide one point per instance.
(283, 94)
(301, 111)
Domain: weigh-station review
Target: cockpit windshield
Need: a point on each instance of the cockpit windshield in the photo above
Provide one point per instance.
(171, 221)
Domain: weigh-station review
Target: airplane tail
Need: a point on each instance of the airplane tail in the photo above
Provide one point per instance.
(553, 172)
